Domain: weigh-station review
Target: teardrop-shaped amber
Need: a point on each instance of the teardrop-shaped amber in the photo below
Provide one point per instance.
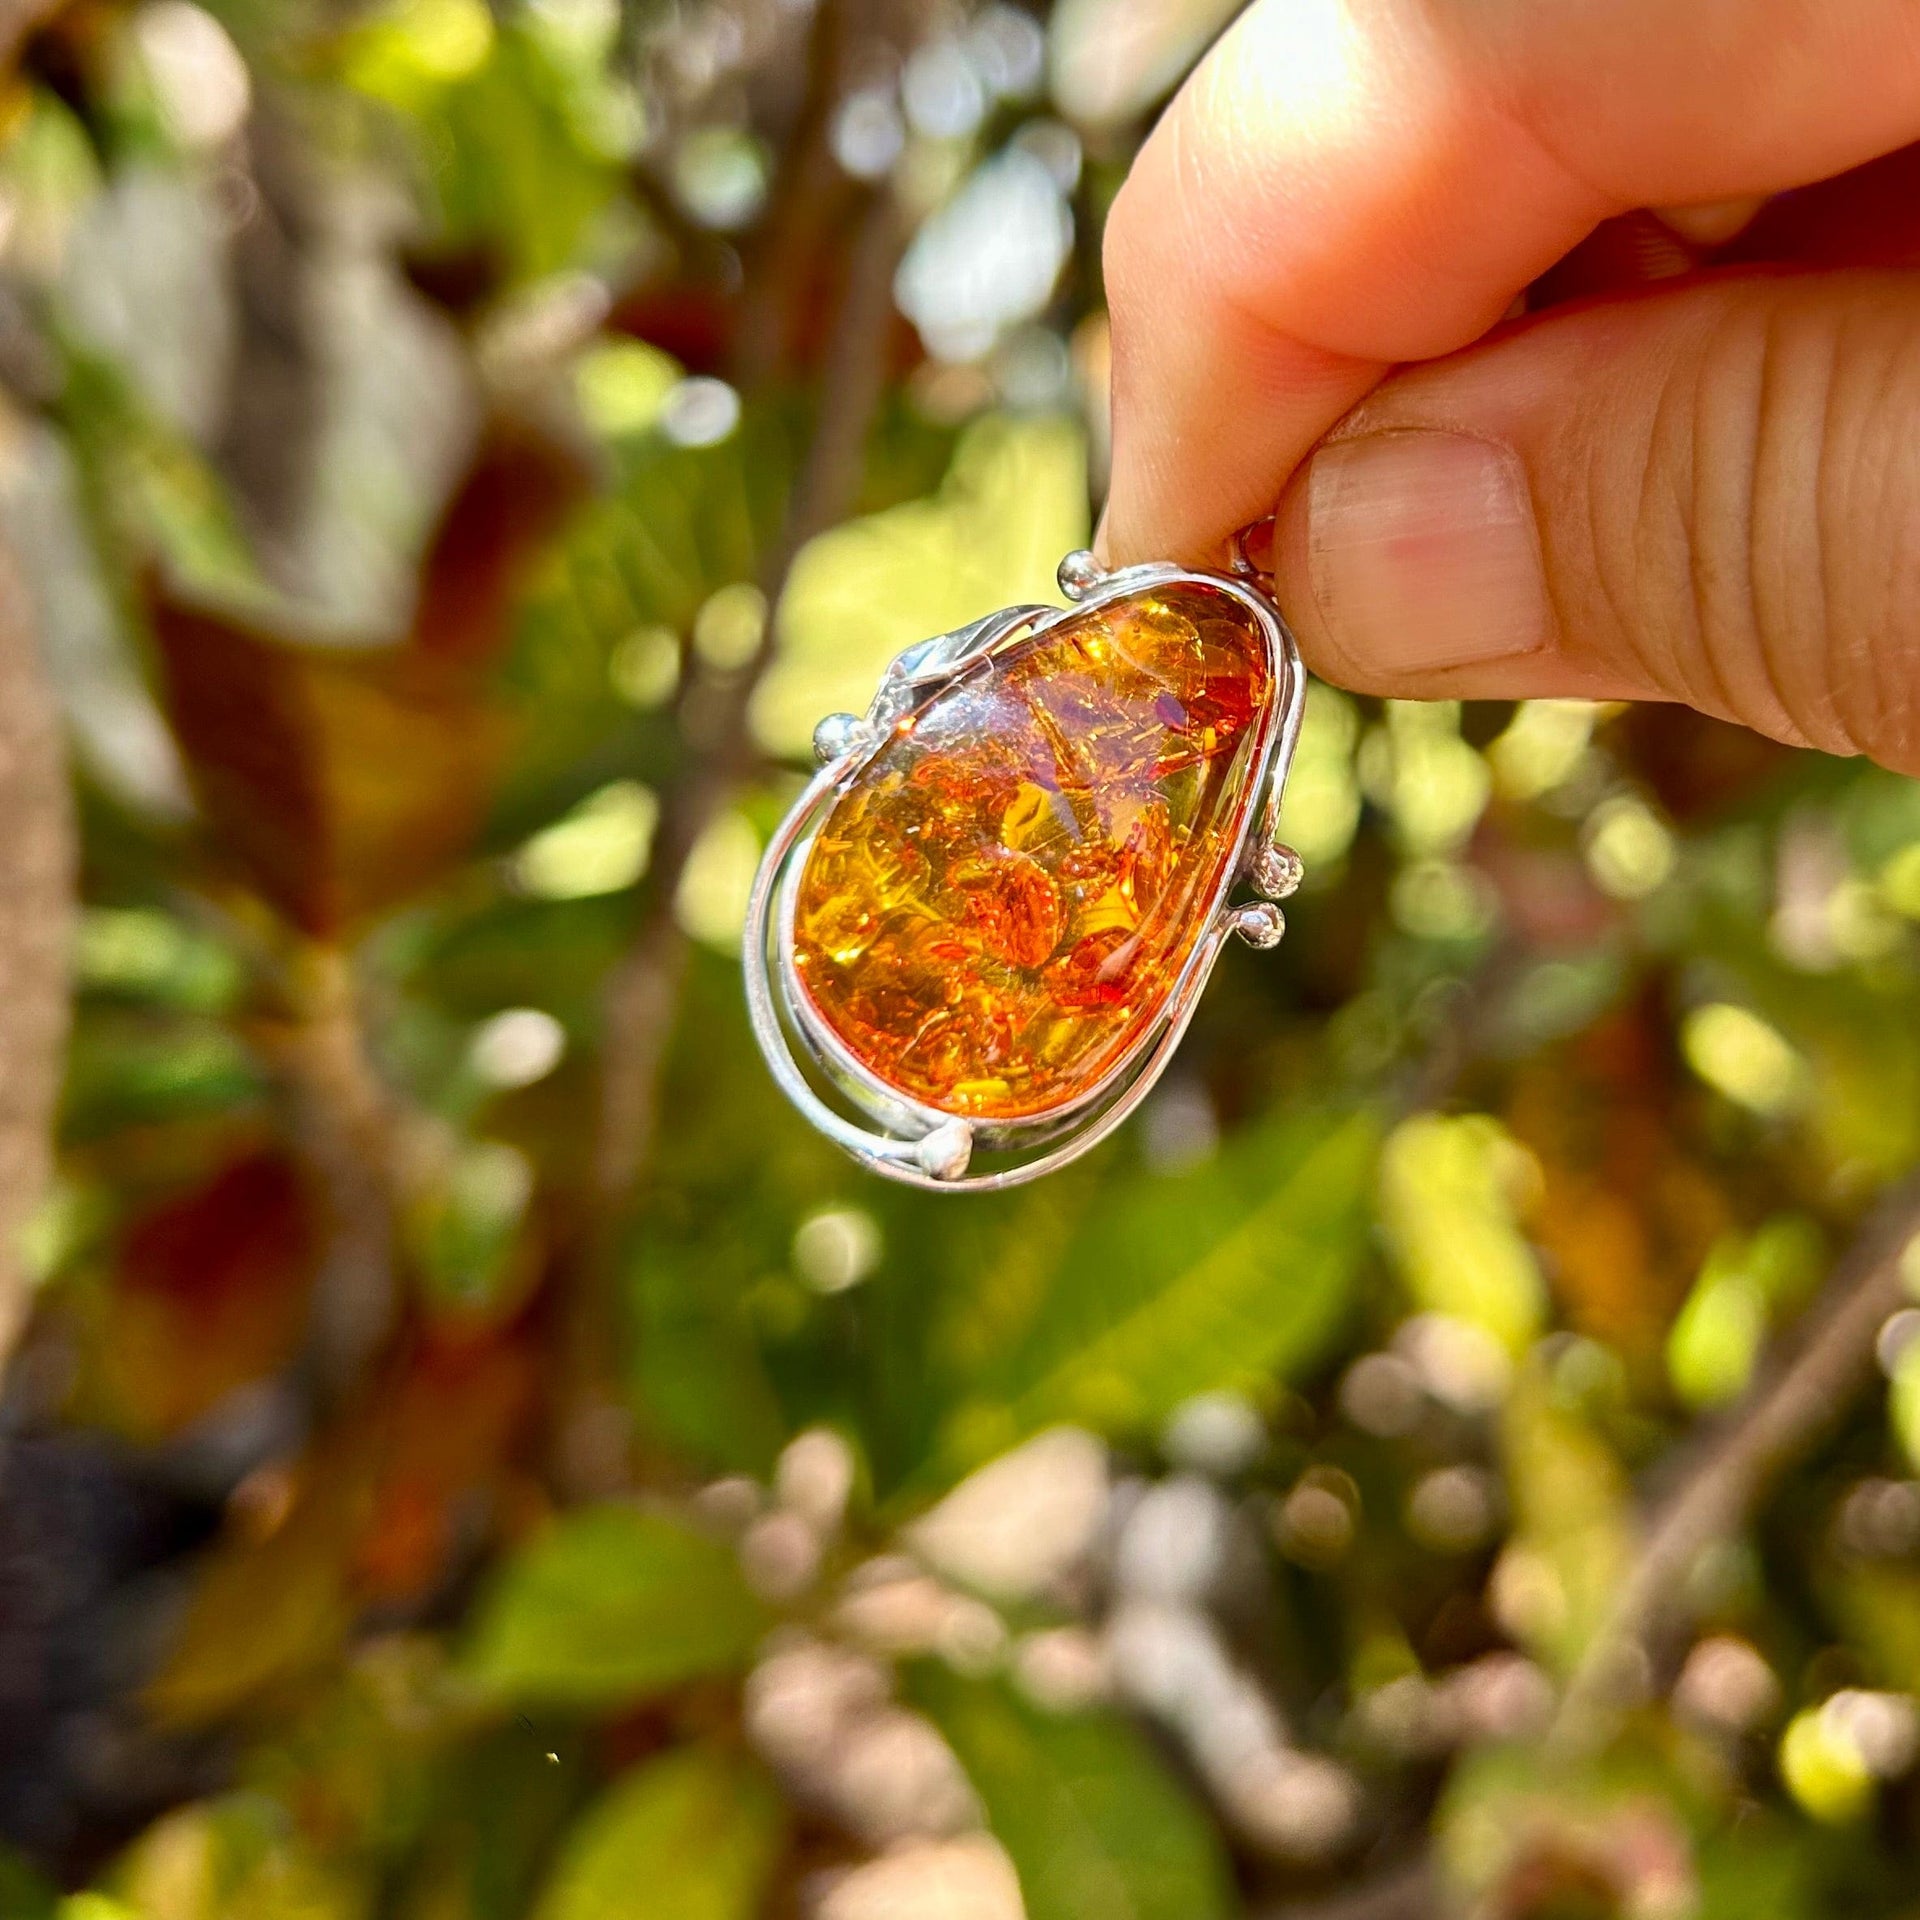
(999, 907)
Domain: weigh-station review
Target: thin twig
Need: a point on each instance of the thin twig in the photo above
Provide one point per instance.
(1797, 1399)
(350, 1130)
(644, 988)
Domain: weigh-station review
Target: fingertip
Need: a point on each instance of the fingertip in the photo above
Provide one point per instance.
(1381, 569)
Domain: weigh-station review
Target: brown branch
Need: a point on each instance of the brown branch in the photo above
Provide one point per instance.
(352, 1134)
(275, 405)
(644, 988)
(1798, 1398)
(37, 862)
(808, 191)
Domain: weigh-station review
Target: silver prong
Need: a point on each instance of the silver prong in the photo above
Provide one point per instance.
(1080, 572)
(1259, 923)
(1278, 871)
(945, 1151)
(836, 735)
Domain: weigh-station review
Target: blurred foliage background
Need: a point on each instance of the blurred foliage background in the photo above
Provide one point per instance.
(469, 1452)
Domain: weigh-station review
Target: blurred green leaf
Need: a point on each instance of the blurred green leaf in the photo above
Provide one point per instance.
(613, 1604)
(1856, 1037)
(1716, 1339)
(693, 1836)
(500, 1808)
(1760, 1871)
(698, 1366)
(465, 1229)
(240, 1857)
(1175, 1285)
(683, 524)
(24, 1895)
(1095, 1826)
(730, 1353)
(138, 953)
(1877, 1608)
(127, 1068)
(514, 165)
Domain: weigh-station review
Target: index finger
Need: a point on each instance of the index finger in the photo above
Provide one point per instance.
(1344, 185)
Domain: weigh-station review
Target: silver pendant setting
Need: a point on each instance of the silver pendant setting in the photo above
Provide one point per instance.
(882, 1126)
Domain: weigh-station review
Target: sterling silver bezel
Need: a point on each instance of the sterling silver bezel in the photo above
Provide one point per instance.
(926, 1146)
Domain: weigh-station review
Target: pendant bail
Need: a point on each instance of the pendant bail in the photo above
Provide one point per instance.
(1242, 562)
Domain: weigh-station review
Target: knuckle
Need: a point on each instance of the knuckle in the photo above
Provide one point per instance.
(1780, 479)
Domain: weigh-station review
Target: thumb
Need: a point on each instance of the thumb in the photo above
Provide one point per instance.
(1709, 495)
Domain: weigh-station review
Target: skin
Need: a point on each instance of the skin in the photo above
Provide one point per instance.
(1703, 486)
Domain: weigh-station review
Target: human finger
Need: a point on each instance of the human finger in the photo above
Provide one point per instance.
(1709, 494)
(1348, 184)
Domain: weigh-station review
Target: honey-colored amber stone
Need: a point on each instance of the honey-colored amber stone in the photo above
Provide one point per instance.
(1001, 905)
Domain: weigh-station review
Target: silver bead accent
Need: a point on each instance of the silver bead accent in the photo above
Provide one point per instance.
(1080, 573)
(945, 1151)
(1278, 871)
(837, 734)
(1259, 923)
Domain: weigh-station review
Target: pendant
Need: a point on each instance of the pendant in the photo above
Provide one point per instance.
(976, 940)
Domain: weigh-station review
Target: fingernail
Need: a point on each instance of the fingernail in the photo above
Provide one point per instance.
(1423, 553)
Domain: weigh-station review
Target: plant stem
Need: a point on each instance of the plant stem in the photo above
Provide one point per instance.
(644, 989)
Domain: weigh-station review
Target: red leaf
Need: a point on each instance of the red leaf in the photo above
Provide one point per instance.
(339, 782)
(210, 1293)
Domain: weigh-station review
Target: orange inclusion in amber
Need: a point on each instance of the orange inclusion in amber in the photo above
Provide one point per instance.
(1001, 904)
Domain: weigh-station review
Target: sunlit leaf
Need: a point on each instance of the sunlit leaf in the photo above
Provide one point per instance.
(613, 1604)
(238, 1856)
(1447, 1201)
(693, 1836)
(139, 954)
(500, 127)
(1824, 1770)
(1012, 504)
(1572, 1530)
(1717, 1335)
(1095, 1826)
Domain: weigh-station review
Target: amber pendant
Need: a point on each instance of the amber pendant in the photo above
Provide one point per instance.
(977, 938)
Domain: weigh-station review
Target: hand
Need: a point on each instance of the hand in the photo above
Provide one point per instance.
(1705, 491)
